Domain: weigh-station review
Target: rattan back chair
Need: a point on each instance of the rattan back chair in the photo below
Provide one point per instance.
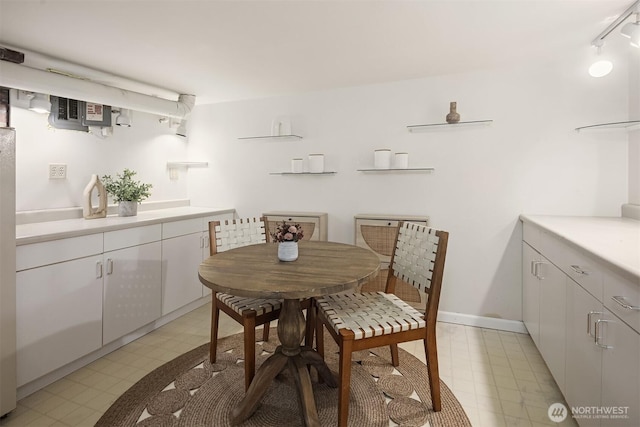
(360, 321)
(250, 312)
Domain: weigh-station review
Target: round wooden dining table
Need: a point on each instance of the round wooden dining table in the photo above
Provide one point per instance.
(254, 271)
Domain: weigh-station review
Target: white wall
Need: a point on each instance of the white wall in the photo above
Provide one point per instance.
(634, 136)
(145, 147)
(529, 161)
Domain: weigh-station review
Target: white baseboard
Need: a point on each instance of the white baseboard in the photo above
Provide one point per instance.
(482, 322)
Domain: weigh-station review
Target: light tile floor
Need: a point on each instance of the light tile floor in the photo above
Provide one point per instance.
(498, 377)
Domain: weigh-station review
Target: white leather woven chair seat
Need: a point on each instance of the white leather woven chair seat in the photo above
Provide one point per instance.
(370, 314)
(242, 304)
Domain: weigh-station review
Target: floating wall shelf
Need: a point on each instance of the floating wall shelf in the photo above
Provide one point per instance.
(172, 165)
(437, 126)
(272, 137)
(303, 173)
(628, 125)
(398, 170)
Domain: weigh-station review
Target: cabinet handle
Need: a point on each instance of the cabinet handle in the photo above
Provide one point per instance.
(109, 266)
(534, 268)
(579, 270)
(206, 241)
(540, 272)
(591, 313)
(99, 270)
(597, 336)
(201, 242)
(621, 301)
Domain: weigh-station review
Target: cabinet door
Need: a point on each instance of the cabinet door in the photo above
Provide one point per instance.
(132, 289)
(531, 292)
(584, 359)
(59, 315)
(553, 319)
(181, 257)
(620, 370)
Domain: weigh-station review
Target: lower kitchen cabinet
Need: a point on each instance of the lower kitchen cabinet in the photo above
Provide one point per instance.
(587, 323)
(181, 257)
(583, 380)
(59, 315)
(132, 289)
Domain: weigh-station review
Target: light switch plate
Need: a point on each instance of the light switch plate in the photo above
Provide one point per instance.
(57, 171)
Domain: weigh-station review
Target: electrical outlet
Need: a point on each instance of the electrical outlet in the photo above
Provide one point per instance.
(57, 171)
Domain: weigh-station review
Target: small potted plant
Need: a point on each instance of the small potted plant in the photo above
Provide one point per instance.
(126, 192)
(287, 236)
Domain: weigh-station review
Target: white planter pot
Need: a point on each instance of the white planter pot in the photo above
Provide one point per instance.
(288, 251)
(128, 208)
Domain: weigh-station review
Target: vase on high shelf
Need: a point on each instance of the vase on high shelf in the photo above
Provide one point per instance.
(453, 116)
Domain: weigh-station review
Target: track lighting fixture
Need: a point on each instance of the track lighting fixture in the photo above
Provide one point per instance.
(602, 66)
(124, 118)
(631, 30)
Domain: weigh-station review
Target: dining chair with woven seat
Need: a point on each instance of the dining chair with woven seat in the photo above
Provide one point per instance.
(360, 321)
(250, 312)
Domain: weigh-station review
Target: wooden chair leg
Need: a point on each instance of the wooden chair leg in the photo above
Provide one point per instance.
(395, 360)
(346, 345)
(249, 324)
(431, 353)
(311, 325)
(265, 332)
(215, 315)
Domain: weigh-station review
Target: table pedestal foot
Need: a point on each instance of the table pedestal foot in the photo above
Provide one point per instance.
(311, 357)
(261, 381)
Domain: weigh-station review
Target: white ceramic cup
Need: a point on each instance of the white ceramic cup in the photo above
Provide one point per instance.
(401, 161)
(296, 165)
(316, 163)
(382, 158)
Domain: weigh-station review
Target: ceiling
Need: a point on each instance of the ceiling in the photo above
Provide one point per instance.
(232, 50)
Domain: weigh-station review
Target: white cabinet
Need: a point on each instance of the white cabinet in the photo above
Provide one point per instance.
(584, 358)
(185, 244)
(587, 319)
(58, 304)
(544, 307)
(531, 292)
(314, 224)
(132, 289)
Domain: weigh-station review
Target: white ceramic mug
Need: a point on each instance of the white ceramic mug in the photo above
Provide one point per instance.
(401, 161)
(316, 163)
(382, 158)
(296, 165)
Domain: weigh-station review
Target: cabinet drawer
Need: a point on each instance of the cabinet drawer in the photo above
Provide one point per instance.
(577, 265)
(132, 237)
(45, 253)
(181, 228)
(622, 297)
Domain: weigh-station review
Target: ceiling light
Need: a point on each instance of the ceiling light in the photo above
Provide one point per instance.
(602, 66)
(124, 118)
(631, 30)
(40, 103)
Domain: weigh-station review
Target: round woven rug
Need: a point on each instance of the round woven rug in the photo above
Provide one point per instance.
(189, 391)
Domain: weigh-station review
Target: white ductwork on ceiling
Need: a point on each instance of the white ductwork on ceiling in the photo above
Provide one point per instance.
(43, 74)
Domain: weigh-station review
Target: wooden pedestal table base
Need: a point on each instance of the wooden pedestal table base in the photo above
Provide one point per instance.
(291, 330)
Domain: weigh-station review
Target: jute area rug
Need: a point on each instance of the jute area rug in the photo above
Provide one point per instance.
(189, 391)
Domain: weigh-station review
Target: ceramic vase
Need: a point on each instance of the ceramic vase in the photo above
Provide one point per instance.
(89, 211)
(127, 208)
(288, 251)
(453, 116)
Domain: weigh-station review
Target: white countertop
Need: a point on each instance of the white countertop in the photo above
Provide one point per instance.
(52, 230)
(614, 240)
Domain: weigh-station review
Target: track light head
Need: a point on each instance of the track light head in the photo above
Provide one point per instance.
(631, 30)
(602, 66)
(124, 118)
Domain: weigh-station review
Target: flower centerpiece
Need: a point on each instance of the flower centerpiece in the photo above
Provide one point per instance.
(126, 191)
(287, 236)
